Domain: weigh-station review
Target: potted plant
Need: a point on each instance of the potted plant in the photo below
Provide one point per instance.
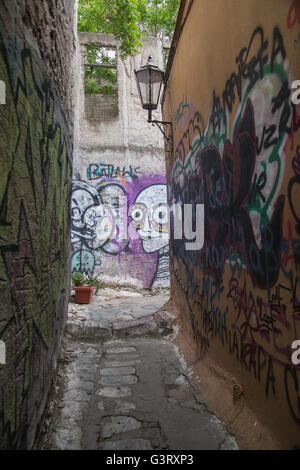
(83, 291)
(94, 282)
(85, 287)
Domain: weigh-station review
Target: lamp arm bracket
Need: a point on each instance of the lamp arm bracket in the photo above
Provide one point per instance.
(160, 124)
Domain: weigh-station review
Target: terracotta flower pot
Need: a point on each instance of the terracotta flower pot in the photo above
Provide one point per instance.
(83, 295)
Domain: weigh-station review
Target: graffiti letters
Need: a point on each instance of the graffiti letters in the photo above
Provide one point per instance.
(223, 186)
(104, 170)
(251, 63)
(294, 189)
(292, 388)
(293, 14)
(180, 110)
(236, 167)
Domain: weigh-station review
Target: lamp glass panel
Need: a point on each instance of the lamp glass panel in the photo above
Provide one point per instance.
(156, 76)
(149, 83)
(156, 81)
(155, 93)
(142, 76)
(145, 93)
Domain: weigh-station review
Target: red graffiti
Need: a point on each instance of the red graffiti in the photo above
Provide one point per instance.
(261, 322)
(289, 254)
(244, 305)
(293, 14)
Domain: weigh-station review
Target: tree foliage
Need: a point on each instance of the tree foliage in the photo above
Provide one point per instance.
(128, 20)
(157, 17)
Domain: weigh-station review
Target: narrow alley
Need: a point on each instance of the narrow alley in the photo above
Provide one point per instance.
(149, 225)
(123, 384)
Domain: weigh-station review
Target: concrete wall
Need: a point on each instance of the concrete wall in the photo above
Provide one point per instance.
(117, 158)
(36, 145)
(237, 151)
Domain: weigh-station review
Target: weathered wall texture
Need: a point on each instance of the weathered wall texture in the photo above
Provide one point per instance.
(237, 151)
(119, 158)
(36, 144)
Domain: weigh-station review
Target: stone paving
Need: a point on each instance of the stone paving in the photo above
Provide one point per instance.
(118, 313)
(134, 393)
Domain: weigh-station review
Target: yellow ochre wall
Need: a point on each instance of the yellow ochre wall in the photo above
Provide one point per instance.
(237, 151)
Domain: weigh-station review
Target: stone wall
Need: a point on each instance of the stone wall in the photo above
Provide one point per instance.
(36, 146)
(237, 152)
(119, 162)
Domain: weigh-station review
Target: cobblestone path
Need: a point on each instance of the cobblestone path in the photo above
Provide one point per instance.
(130, 394)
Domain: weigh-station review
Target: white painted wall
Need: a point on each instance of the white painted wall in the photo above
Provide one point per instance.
(125, 141)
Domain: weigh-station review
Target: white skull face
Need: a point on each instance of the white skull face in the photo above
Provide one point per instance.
(150, 217)
(91, 220)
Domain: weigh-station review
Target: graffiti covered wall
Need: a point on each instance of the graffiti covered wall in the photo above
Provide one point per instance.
(35, 190)
(237, 151)
(117, 229)
(118, 182)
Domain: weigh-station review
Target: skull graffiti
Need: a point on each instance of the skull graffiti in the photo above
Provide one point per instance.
(91, 221)
(149, 216)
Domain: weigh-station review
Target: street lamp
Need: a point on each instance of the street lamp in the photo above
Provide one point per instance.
(149, 79)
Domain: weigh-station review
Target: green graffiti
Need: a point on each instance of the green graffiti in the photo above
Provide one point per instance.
(275, 153)
(217, 136)
(35, 188)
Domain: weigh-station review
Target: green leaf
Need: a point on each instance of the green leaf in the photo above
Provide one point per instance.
(128, 20)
